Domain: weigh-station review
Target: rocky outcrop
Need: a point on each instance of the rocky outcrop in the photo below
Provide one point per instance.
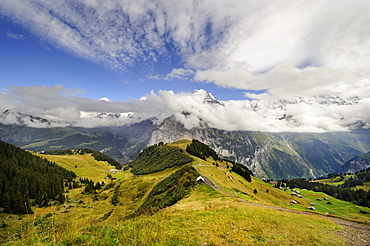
(271, 155)
(356, 164)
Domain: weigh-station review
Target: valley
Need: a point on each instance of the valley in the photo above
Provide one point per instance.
(267, 155)
(184, 123)
(231, 211)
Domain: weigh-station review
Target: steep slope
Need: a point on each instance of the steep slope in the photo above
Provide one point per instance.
(157, 158)
(274, 155)
(356, 164)
(227, 209)
(27, 179)
(122, 142)
(269, 154)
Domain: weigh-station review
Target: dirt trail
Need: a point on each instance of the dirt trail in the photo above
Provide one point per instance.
(355, 234)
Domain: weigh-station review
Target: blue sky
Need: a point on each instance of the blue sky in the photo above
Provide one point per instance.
(84, 50)
(30, 60)
(27, 60)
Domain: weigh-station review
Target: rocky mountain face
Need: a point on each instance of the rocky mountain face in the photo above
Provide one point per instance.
(356, 164)
(268, 155)
(123, 143)
(273, 155)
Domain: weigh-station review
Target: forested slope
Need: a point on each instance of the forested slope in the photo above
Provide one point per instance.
(26, 179)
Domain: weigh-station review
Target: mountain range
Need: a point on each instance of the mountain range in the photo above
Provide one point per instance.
(271, 155)
(355, 164)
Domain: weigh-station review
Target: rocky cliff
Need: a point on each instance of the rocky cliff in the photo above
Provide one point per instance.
(273, 155)
(356, 164)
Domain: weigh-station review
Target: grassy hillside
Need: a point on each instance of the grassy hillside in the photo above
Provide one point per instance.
(359, 180)
(232, 212)
(84, 166)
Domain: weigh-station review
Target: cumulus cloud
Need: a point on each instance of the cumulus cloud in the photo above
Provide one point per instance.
(62, 107)
(294, 48)
(285, 47)
(273, 49)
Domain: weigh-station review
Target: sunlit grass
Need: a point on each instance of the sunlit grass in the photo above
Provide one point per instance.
(204, 218)
(85, 166)
(336, 207)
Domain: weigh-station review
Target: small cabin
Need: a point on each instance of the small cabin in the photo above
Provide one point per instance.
(200, 180)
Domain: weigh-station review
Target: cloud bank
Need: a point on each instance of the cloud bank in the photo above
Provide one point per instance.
(62, 107)
(286, 48)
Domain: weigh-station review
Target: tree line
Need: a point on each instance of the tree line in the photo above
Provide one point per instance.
(242, 171)
(201, 150)
(27, 179)
(157, 158)
(359, 178)
(356, 196)
(169, 191)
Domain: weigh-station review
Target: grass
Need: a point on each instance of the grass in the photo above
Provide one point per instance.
(40, 143)
(205, 217)
(85, 166)
(337, 181)
(334, 181)
(269, 195)
(365, 187)
(337, 207)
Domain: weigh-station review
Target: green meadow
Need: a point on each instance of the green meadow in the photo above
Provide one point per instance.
(224, 215)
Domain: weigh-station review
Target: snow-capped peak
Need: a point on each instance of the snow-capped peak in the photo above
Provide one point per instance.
(208, 97)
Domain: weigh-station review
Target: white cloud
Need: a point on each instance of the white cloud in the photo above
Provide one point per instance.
(104, 99)
(286, 81)
(310, 46)
(176, 73)
(14, 35)
(294, 48)
(315, 114)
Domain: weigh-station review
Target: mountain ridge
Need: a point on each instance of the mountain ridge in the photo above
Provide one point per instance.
(272, 155)
(268, 155)
(279, 114)
(258, 150)
(356, 164)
